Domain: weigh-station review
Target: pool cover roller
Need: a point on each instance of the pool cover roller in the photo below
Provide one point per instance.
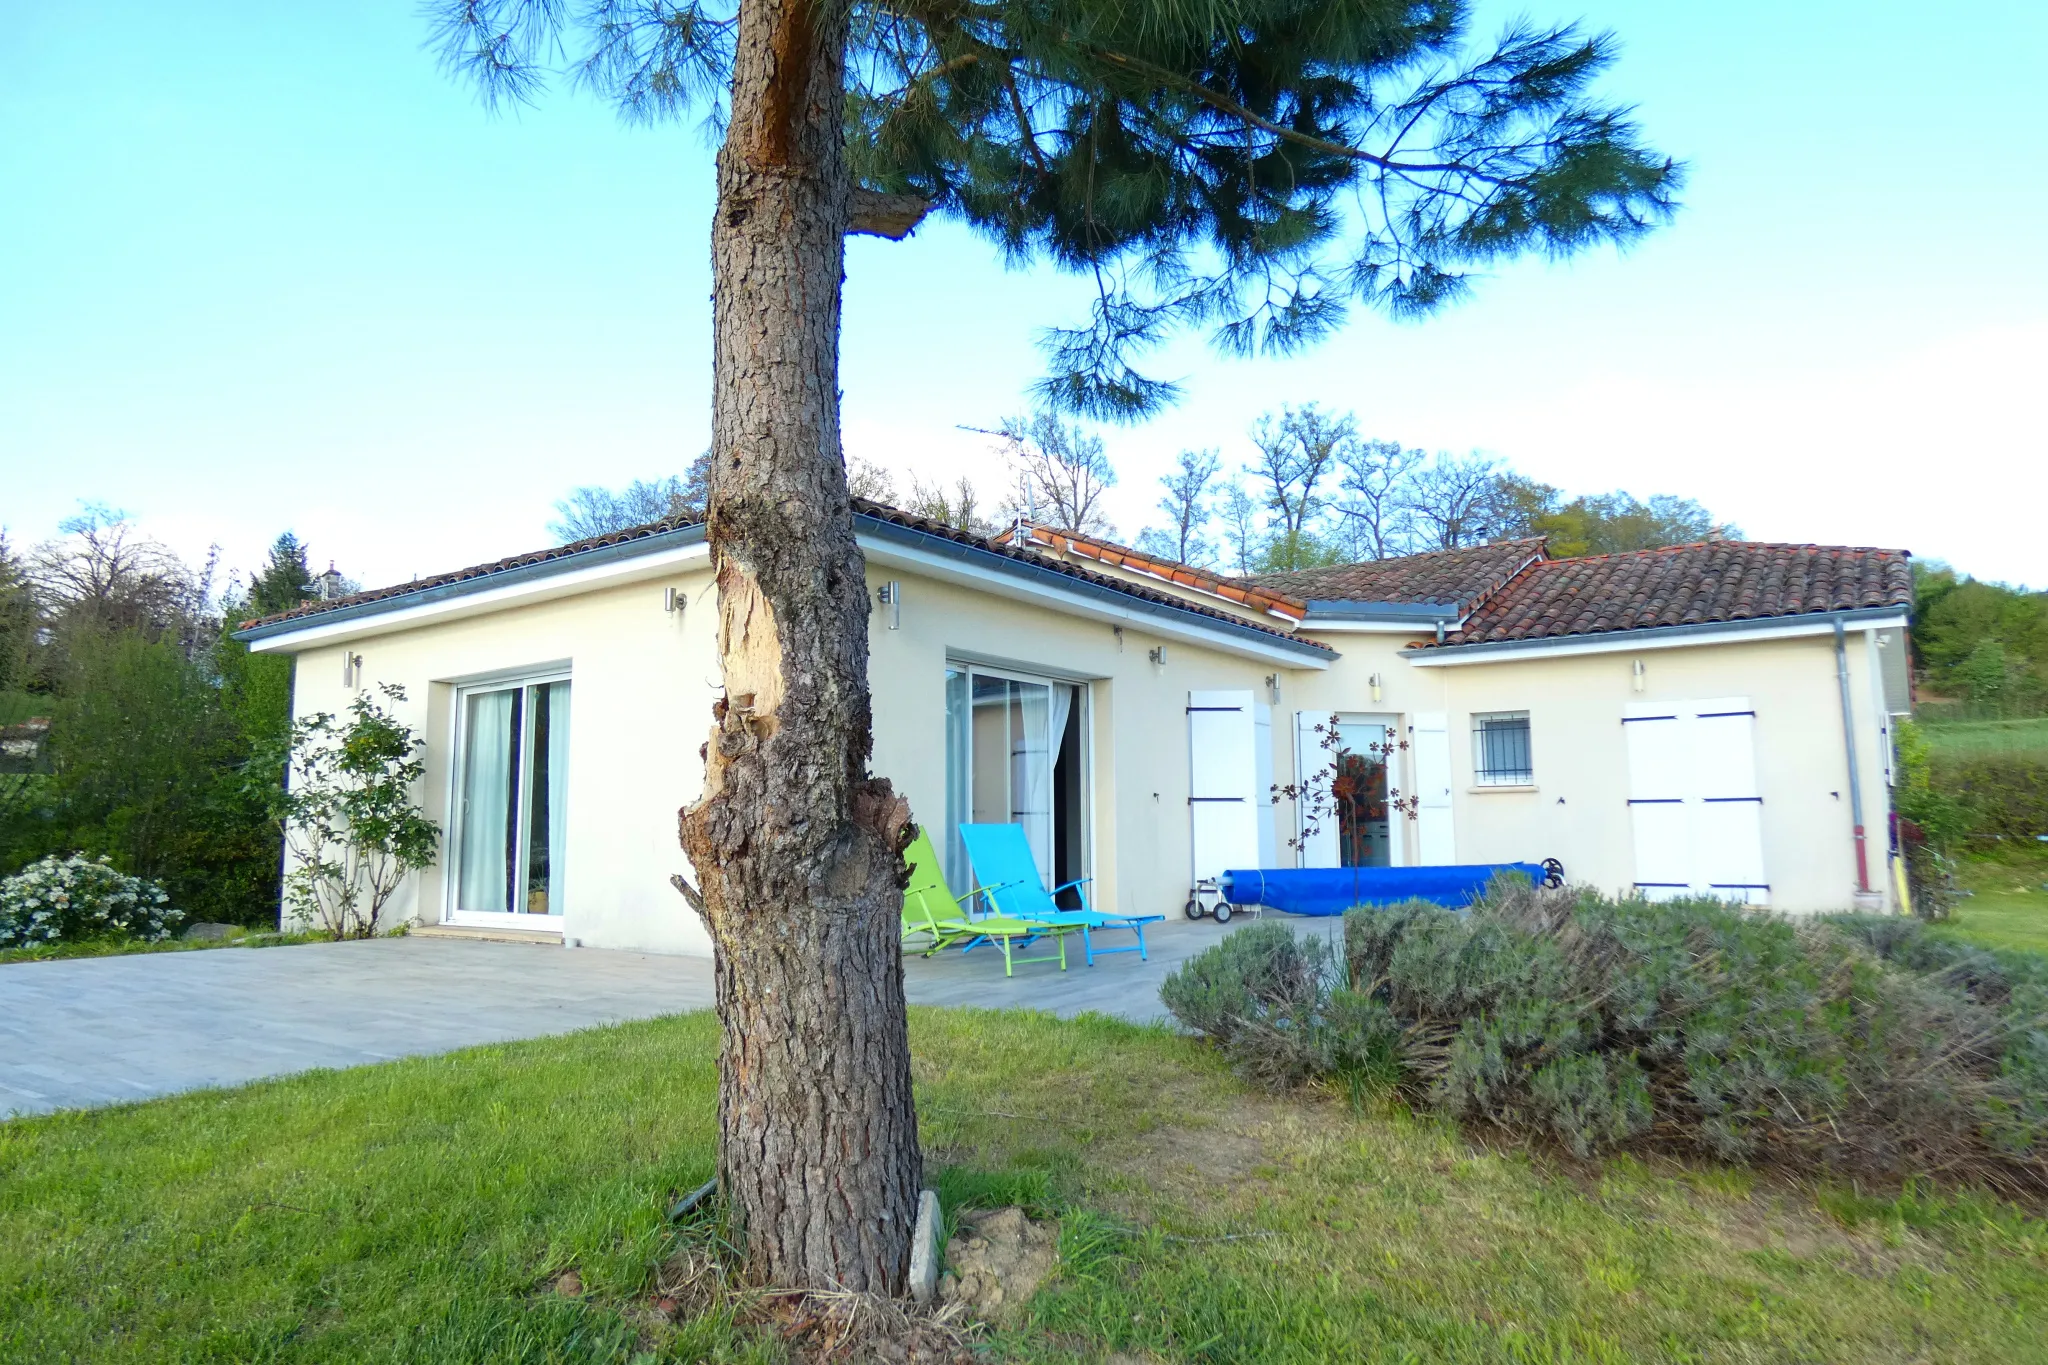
(1333, 890)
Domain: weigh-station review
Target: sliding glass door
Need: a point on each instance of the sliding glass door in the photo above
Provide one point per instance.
(1014, 756)
(511, 814)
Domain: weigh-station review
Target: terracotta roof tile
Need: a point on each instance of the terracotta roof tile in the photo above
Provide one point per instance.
(883, 512)
(1257, 596)
(1458, 577)
(1687, 585)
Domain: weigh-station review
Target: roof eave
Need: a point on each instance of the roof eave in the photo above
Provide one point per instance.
(332, 624)
(1655, 637)
(680, 537)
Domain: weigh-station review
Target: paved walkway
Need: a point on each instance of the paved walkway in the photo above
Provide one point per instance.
(102, 1030)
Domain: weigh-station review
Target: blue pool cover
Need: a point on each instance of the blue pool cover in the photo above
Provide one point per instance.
(1333, 890)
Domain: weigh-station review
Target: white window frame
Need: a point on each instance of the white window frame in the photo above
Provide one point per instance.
(451, 864)
(1480, 777)
(1083, 715)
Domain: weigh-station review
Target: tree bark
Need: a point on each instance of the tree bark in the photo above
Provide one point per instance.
(797, 847)
(894, 216)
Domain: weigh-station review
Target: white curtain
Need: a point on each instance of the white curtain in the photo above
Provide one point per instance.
(558, 791)
(486, 802)
(959, 776)
(1056, 722)
(1031, 769)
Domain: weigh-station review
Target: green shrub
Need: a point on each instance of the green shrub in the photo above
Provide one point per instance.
(1862, 1046)
(1277, 1004)
(2004, 796)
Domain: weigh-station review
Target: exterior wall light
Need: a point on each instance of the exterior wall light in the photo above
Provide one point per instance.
(890, 595)
(1158, 656)
(1636, 672)
(1374, 680)
(351, 670)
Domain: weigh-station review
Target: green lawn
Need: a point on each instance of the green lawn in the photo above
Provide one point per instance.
(1968, 738)
(2008, 904)
(416, 1212)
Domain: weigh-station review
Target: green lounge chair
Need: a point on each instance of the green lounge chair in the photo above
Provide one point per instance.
(933, 914)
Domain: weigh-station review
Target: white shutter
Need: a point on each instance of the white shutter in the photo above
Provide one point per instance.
(1658, 754)
(1728, 831)
(1694, 807)
(1728, 841)
(1663, 837)
(1262, 782)
(1312, 773)
(1659, 759)
(1434, 837)
(1223, 799)
(1724, 748)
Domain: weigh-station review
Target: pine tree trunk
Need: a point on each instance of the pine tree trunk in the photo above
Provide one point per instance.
(798, 849)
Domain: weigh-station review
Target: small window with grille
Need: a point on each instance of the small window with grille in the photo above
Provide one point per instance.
(1500, 749)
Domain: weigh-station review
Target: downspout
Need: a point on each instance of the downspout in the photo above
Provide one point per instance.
(1849, 744)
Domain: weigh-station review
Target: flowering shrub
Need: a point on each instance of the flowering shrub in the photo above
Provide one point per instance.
(63, 900)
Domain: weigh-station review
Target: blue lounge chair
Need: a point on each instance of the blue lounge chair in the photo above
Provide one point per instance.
(1003, 862)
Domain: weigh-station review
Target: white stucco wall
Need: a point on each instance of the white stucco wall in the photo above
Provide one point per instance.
(1138, 713)
(644, 680)
(1578, 812)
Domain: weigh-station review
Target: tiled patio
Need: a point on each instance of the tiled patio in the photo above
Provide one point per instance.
(102, 1030)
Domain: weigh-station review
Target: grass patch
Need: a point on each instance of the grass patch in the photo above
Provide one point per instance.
(417, 1211)
(238, 937)
(1971, 738)
(16, 707)
(2007, 906)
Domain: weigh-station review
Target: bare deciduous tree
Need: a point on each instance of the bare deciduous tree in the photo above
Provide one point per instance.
(958, 507)
(866, 479)
(1239, 513)
(1061, 474)
(593, 510)
(1299, 452)
(1371, 507)
(1186, 504)
(102, 572)
(1451, 500)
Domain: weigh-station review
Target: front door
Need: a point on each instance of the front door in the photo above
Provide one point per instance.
(1344, 821)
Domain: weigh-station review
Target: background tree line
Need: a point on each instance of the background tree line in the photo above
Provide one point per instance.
(1305, 490)
(135, 727)
(1980, 647)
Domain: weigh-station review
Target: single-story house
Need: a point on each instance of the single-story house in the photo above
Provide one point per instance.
(1709, 718)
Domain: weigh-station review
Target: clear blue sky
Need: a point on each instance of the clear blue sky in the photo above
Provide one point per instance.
(263, 266)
